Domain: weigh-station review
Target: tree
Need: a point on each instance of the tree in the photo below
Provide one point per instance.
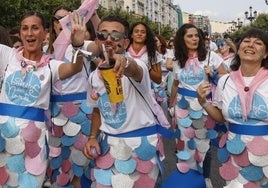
(46, 7)
(260, 22)
(12, 10)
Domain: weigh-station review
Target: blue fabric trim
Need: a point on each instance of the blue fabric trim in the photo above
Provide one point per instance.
(156, 129)
(191, 179)
(68, 97)
(190, 93)
(25, 112)
(253, 130)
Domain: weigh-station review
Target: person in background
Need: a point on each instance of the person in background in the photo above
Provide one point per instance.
(46, 40)
(227, 50)
(127, 154)
(4, 37)
(55, 27)
(15, 31)
(142, 46)
(241, 101)
(160, 90)
(16, 41)
(170, 44)
(193, 139)
(27, 76)
(70, 95)
(210, 43)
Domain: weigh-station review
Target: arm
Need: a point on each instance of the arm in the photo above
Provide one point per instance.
(92, 141)
(221, 70)
(95, 20)
(215, 113)
(173, 94)
(127, 66)
(77, 37)
(169, 64)
(156, 73)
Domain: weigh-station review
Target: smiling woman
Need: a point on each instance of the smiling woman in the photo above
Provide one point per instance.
(26, 76)
(241, 100)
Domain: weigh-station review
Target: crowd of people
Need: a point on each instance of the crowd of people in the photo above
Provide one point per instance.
(59, 126)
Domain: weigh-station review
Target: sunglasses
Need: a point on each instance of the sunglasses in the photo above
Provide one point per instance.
(115, 35)
(57, 18)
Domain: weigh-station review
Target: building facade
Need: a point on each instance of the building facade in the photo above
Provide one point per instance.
(164, 12)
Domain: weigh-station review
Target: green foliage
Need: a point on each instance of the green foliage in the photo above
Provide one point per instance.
(260, 22)
(12, 10)
(131, 17)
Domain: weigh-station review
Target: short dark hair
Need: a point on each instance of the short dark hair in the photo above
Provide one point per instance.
(115, 18)
(256, 33)
(33, 13)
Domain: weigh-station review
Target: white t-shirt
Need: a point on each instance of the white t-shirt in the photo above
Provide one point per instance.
(190, 79)
(131, 114)
(76, 83)
(227, 99)
(33, 89)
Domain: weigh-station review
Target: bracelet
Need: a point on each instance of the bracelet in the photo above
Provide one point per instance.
(78, 47)
(92, 136)
(206, 104)
(127, 62)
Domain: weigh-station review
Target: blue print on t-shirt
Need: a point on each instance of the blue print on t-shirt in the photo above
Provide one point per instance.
(190, 77)
(22, 90)
(117, 119)
(258, 111)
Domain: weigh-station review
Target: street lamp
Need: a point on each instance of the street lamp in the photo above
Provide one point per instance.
(249, 14)
(239, 23)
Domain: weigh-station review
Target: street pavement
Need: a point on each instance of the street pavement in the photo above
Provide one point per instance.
(170, 163)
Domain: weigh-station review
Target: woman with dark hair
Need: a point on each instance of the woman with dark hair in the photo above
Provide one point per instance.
(4, 37)
(193, 130)
(71, 94)
(142, 46)
(56, 27)
(241, 101)
(26, 77)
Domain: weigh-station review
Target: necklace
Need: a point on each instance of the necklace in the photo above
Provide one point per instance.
(29, 65)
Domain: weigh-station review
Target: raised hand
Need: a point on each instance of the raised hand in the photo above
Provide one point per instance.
(78, 29)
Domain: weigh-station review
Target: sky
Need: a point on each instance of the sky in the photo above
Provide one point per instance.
(222, 10)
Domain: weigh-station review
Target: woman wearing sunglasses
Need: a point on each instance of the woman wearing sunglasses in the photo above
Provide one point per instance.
(227, 50)
(56, 27)
(70, 115)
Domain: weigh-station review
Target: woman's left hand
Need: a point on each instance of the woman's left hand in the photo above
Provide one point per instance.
(78, 31)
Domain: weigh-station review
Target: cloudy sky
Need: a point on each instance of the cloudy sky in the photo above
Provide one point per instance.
(222, 10)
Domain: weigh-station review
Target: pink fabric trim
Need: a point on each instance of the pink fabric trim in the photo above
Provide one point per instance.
(246, 97)
(61, 43)
(138, 55)
(192, 61)
(43, 61)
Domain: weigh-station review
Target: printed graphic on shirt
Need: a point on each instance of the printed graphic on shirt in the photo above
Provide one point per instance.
(191, 76)
(114, 114)
(258, 113)
(22, 90)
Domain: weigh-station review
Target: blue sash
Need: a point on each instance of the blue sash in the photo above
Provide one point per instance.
(190, 93)
(68, 97)
(252, 130)
(24, 112)
(145, 132)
